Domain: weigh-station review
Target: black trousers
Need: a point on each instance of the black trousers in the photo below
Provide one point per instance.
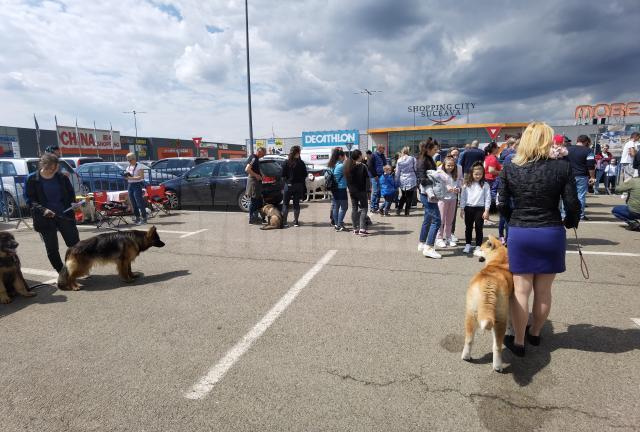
(406, 197)
(473, 216)
(70, 236)
(294, 192)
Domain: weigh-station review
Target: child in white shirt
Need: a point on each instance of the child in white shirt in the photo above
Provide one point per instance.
(475, 202)
(611, 173)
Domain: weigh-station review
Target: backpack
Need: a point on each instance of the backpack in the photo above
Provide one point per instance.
(330, 182)
(433, 186)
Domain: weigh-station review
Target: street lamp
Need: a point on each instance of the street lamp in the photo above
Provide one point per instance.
(369, 93)
(246, 15)
(135, 125)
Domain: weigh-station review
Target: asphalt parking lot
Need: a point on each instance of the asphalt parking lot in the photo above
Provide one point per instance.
(234, 328)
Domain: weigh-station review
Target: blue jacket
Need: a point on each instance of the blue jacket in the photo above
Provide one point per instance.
(338, 174)
(387, 185)
(376, 164)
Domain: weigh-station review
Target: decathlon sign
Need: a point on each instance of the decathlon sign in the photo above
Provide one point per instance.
(331, 138)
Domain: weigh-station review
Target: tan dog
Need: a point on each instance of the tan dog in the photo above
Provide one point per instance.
(273, 217)
(488, 300)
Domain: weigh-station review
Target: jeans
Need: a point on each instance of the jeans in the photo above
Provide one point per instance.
(254, 207)
(625, 214)
(473, 216)
(503, 228)
(431, 221)
(339, 206)
(50, 238)
(293, 192)
(448, 215)
(137, 202)
(375, 193)
(359, 210)
(388, 200)
(599, 176)
(582, 184)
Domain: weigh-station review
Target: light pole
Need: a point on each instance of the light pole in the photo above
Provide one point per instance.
(369, 93)
(135, 125)
(246, 15)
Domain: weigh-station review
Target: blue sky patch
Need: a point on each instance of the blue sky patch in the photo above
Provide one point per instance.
(214, 29)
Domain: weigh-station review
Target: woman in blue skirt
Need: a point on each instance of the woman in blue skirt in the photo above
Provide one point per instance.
(534, 184)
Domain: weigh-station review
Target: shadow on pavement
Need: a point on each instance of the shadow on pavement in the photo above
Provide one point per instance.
(591, 241)
(109, 282)
(45, 295)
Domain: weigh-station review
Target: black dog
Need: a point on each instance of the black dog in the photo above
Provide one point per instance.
(10, 273)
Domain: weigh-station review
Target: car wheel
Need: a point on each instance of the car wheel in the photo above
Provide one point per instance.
(174, 201)
(243, 202)
(8, 206)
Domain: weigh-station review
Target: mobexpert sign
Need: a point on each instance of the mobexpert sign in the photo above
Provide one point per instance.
(442, 113)
(603, 110)
(331, 138)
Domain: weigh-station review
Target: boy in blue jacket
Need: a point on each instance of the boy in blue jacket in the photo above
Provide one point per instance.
(388, 189)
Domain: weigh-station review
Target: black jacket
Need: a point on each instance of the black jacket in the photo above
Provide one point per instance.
(534, 191)
(358, 178)
(36, 200)
(295, 174)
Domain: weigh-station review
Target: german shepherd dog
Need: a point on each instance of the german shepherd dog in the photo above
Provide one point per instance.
(120, 248)
(488, 300)
(273, 217)
(10, 273)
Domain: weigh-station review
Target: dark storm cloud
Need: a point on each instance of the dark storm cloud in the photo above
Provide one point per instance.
(381, 19)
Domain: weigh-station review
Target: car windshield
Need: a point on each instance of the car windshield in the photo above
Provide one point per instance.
(271, 168)
(124, 165)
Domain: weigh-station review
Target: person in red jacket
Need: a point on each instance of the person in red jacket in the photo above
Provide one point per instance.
(492, 168)
(603, 158)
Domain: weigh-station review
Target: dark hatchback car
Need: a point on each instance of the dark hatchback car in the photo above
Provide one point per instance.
(108, 176)
(177, 166)
(223, 183)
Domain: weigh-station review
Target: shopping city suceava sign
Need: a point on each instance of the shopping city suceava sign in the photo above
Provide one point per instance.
(334, 138)
(603, 110)
(442, 113)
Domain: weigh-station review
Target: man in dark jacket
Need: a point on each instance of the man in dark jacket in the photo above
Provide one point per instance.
(470, 156)
(51, 197)
(583, 166)
(375, 165)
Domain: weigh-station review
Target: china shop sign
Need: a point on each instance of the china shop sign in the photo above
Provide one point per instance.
(87, 138)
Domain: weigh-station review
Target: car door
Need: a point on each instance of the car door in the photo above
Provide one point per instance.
(197, 186)
(228, 183)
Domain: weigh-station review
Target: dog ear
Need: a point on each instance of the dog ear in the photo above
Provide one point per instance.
(152, 231)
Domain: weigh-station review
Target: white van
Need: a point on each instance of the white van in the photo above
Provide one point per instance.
(316, 157)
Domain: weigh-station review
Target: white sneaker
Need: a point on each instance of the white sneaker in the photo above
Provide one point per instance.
(440, 243)
(431, 253)
(467, 248)
(454, 238)
(452, 242)
(477, 252)
(421, 247)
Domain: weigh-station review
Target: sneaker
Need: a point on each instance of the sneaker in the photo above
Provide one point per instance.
(137, 220)
(296, 224)
(454, 238)
(452, 243)
(518, 350)
(467, 248)
(503, 241)
(373, 211)
(397, 212)
(421, 247)
(285, 225)
(356, 231)
(387, 213)
(477, 252)
(430, 252)
(440, 243)
(363, 233)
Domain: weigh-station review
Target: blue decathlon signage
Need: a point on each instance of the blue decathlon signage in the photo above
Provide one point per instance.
(331, 138)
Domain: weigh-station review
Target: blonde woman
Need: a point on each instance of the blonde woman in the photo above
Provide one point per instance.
(533, 184)
(406, 179)
(135, 177)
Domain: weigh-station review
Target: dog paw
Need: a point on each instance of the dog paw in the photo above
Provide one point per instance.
(466, 356)
(5, 299)
(498, 368)
(75, 288)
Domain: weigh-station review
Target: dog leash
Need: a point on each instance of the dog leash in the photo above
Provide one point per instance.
(583, 263)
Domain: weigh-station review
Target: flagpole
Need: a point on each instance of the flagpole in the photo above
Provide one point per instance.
(113, 150)
(37, 134)
(57, 135)
(95, 138)
(78, 138)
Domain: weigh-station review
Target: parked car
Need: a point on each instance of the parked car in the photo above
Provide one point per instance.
(75, 162)
(108, 176)
(177, 166)
(14, 174)
(223, 183)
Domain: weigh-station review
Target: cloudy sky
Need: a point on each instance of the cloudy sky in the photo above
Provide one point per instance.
(183, 62)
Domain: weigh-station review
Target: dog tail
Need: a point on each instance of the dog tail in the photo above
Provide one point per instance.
(268, 227)
(487, 305)
(63, 278)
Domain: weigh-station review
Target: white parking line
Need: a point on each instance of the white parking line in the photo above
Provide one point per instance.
(194, 233)
(215, 374)
(602, 222)
(636, 320)
(38, 272)
(186, 233)
(624, 254)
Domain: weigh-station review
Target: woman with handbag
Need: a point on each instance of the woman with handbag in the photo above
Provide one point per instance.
(431, 220)
(533, 184)
(407, 180)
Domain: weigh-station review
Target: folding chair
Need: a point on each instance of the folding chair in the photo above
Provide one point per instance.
(110, 212)
(157, 200)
